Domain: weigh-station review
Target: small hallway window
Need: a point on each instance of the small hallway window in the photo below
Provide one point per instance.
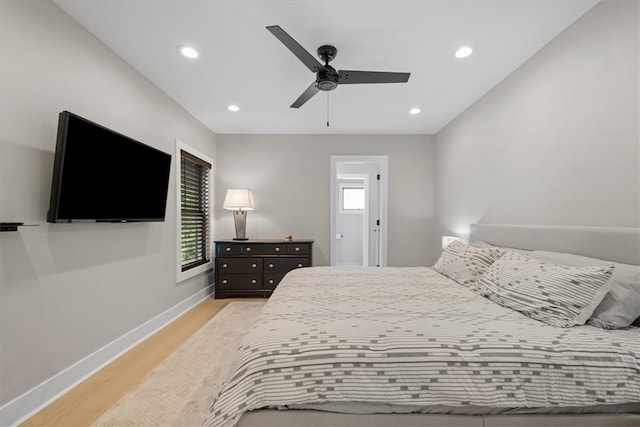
(352, 198)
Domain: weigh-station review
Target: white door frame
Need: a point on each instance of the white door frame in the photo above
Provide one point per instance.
(383, 167)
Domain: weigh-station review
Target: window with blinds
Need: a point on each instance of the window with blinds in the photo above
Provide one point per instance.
(194, 211)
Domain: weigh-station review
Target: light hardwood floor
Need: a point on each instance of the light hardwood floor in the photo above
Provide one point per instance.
(85, 403)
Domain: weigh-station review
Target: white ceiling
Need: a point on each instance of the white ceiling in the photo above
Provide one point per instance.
(242, 63)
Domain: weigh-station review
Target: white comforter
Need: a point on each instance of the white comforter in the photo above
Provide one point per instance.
(410, 336)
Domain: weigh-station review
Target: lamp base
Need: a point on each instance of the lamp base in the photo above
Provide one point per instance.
(240, 220)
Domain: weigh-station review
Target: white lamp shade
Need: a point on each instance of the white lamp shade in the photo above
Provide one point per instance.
(238, 200)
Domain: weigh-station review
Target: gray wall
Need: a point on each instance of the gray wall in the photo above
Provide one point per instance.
(68, 289)
(289, 176)
(557, 142)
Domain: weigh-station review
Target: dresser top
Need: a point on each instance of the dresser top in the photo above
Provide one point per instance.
(254, 241)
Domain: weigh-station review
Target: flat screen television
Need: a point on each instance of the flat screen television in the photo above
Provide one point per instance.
(102, 176)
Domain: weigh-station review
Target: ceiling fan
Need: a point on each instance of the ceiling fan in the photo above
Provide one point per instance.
(327, 77)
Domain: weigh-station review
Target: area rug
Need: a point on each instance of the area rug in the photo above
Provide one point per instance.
(179, 391)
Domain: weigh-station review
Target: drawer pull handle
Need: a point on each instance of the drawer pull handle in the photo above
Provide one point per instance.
(224, 282)
(299, 265)
(254, 265)
(254, 281)
(270, 265)
(297, 249)
(248, 249)
(277, 249)
(227, 249)
(224, 266)
(271, 282)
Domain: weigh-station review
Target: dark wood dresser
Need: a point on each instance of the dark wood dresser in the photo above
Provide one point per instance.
(255, 267)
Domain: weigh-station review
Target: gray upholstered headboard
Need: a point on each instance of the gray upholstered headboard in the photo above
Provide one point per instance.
(609, 243)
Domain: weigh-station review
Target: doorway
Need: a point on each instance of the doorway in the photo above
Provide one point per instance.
(358, 210)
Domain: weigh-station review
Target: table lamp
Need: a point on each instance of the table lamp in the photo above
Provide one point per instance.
(239, 201)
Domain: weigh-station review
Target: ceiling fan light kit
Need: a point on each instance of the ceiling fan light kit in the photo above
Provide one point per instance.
(327, 77)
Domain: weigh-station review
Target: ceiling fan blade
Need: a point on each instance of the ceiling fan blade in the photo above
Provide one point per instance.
(306, 95)
(309, 60)
(347, 77)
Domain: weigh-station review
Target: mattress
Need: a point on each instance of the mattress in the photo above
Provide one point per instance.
(411, 340)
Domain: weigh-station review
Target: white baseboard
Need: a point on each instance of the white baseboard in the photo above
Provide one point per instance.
(25, 406)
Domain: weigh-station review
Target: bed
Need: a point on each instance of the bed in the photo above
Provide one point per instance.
(410, 346)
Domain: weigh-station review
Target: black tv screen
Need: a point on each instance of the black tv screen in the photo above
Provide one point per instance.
(102, 176)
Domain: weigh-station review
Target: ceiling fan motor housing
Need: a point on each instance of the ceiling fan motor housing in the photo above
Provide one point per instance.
(327, 78)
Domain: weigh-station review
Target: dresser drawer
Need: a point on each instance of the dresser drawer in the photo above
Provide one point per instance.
(298, 249)
(284, 265)
(228, 249)
(264, 249)
(239, 265)
(271, 281)
(239, 282)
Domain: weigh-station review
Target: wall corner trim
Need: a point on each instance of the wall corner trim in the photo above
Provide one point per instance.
(28, 404)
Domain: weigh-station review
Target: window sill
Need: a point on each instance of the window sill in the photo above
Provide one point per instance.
(184, 275)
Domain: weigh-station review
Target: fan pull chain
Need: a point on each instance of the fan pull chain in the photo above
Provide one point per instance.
(327, 109)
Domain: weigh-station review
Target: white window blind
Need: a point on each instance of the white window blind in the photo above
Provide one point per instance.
(194, 210)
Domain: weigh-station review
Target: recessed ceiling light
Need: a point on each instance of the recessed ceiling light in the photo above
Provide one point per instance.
(233, 107)
(188, 51)
(463, 52)
(414, 111)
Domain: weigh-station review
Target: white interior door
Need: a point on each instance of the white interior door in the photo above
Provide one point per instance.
(358, 230)
(351, 220)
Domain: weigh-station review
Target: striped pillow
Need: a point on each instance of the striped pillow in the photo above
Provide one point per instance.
(557, 295)
(466, 264)
(621, 306)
